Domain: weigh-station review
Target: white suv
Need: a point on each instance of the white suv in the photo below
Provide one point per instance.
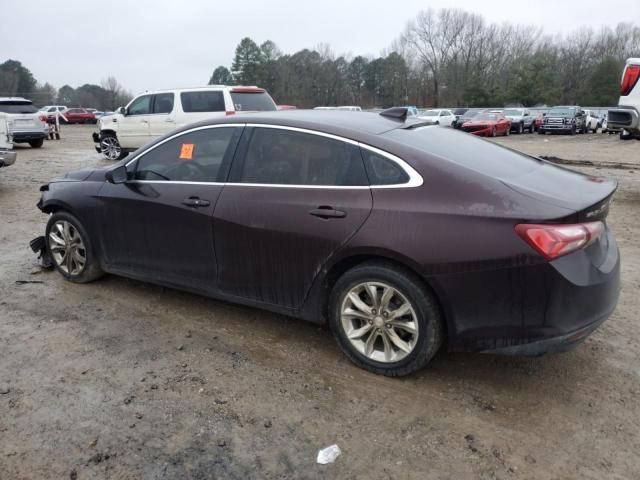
(27, 125)
(7, 155)
(153, 114)
(627, 115)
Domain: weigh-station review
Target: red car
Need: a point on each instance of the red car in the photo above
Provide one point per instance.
(488, 125)
(79, 115)
(537, 123)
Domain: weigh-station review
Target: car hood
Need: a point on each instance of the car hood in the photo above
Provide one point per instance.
(478, 123)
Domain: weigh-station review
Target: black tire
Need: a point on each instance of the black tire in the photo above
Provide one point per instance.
(428, 317)
(573, 130)
(540, 131)
(91, 270)
(111, 155)
(624, 135)
(37, 143)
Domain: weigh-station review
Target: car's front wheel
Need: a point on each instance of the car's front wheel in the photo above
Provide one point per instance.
(71, 249)
(385, 320)
(110, 147)
(37, 143)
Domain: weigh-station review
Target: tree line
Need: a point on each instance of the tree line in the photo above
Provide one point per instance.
(17, 81)
(446, 57)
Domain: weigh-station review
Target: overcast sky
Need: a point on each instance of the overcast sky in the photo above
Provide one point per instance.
(149, 44)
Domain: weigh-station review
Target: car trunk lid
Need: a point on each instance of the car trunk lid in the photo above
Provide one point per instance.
(587, 195)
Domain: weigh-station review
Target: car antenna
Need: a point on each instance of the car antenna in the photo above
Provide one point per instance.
(398, 113)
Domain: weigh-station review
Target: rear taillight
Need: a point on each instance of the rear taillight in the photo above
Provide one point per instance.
(43, 118)
(629, 79)
(553, 241)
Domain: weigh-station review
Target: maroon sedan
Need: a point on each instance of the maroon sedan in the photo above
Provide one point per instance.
(79, 115)
(488, 125)
(401, 237)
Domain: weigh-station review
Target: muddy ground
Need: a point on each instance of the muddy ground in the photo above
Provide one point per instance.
(120, 379)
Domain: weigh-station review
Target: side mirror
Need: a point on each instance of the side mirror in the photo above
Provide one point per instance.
(117, 175)
(122, 110)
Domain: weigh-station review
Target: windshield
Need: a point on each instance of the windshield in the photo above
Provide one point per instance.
(485, 116)
(460, 111)
(470, 114)
(561, 112)
(17, 107)
(466, 150)
(513, 111)
(253, 102)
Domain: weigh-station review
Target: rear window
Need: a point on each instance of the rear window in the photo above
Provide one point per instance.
(467, 151)
(253, 102)
(202, 102)
(17, 107)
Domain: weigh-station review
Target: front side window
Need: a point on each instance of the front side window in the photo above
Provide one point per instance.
(163, 103)
(382, 170)
(198, 156)
(140, 106)
(202, 101)
(284, 157)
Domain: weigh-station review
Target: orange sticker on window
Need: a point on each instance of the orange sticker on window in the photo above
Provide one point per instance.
(186, 152)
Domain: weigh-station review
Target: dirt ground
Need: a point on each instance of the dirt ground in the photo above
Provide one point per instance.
(124, 380)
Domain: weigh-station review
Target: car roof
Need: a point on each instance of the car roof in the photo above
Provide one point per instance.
(204, 88)
(14, 99)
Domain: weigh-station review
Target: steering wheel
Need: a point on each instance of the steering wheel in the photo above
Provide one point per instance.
(186, 170)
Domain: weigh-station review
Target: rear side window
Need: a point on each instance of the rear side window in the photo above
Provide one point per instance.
(253, 102)
(193, 157)
(140, 106)
(382, 170)
(17, 106)
(163, 103)
(202, 102)
(284, 157)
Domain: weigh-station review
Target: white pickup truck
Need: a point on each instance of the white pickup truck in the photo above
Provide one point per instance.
(627, 115)
(7, 154)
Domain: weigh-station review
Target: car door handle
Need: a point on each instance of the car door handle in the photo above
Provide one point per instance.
(170, 120)
(327, 212)
(195, 202)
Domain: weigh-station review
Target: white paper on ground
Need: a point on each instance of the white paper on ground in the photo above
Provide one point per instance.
(328, 454)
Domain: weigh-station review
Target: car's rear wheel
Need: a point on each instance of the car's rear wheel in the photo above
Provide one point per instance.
(110, 147)
(385, 320)
(71, 249)
(36, 143)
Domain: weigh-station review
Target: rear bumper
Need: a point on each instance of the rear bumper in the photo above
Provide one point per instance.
(531, 309)
(19, 137)
(623, 117)
(7, 157)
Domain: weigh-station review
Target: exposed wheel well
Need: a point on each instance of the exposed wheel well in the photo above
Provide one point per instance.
(338, 269)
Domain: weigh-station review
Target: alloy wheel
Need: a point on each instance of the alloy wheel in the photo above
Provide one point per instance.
(379, 321)
(67, 248)
(110, 148)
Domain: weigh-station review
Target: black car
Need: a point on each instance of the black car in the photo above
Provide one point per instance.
(402, 237)
(464, 117)
(569, 119)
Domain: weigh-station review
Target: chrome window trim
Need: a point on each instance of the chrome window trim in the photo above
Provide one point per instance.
(415, 179)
